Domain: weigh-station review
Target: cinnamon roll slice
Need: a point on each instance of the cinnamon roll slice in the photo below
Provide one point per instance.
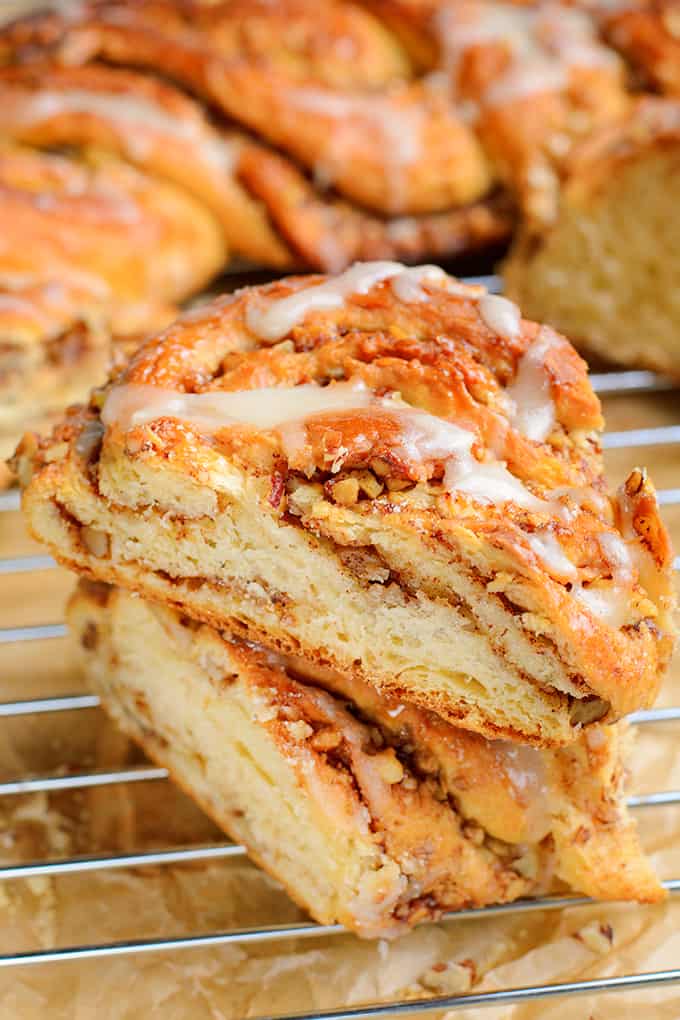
(388, 472)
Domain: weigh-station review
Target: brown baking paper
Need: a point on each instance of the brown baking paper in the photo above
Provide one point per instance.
(280, 977)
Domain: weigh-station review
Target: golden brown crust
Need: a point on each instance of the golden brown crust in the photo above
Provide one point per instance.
(648, 35)
(549, 556)
(160, 244)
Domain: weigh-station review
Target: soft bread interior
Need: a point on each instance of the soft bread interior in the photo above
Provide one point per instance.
(233, 563)
(606, 273)
(345, 845)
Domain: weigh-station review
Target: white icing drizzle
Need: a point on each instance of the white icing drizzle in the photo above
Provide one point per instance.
(500, 315)
(21, 305)
(407, 285)
(70, 10)
(426, 437)
(526, 79)
(461, 25)
(67, 275)
(274, 321)
(570, 34)
(489, 482)
(422, 437)
(552, 555)
(525, 768)
(544, 42)
(619, 557)
(400, 128)
(278, 318)
(131, 112)
(611, 605)
(394, 712)
(534, 409)
(268, 408)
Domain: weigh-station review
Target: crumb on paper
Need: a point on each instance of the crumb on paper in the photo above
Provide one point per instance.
(597, 935)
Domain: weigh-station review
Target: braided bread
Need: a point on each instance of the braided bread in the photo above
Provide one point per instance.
(460, 95)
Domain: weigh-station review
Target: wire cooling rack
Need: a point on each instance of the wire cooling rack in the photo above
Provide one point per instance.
(610, 383)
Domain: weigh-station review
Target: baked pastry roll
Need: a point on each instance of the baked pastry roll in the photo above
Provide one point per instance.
(387, 472)
(532, 78)
(269, 210)
(133, 245)
(606, 271)
(648, 35)
(397, 150)
(372, 813)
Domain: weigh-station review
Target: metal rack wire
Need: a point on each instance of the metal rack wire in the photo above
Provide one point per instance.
(607, 383)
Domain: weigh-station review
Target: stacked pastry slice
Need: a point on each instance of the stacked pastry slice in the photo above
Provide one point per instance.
(370, 811)
(393, 617)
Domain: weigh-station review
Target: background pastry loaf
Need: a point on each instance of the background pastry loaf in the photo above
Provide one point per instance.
(416, 108)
